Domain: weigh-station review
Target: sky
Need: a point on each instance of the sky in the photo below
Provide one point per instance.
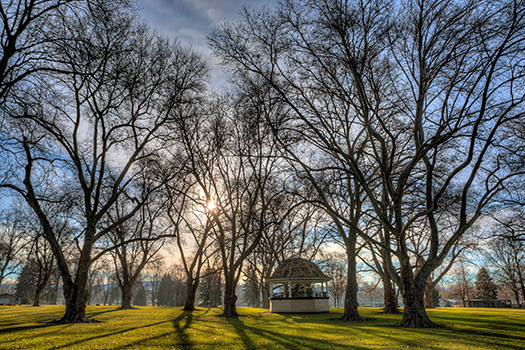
(190, 20)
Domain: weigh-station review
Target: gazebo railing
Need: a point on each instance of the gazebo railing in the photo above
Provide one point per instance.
(314, 296)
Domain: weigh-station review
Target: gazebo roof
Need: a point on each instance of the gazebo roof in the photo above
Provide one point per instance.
(298, 269)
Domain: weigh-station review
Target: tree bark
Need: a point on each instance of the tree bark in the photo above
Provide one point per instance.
(389, 293)
(351, 312)
(429, 303)
(230, 299)
(76, 292)
(76, 300)
(36, 301)
(517, 297)
(191, 290)
(414, 315)
(266, 295)
(126, 296)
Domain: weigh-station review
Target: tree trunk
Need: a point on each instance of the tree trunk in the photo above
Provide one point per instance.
(36, 301)
(191, 290)
(517, 297)
(55, 285)
(76, 301)
(126, 296)
(350, 310)
(76, 292)
(429, 303)
(266, 295)
(40, 285)
(414, 315)
(389, 293)
(230, 299)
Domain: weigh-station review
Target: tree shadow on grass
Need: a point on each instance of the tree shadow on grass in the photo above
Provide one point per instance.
(180, 330)
(240, 328)
(488, 334)
(286, 341)
(476, 337)
(65, 346)
(25, 328)
(98, 313)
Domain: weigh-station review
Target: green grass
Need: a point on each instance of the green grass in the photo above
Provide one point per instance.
(25, 327)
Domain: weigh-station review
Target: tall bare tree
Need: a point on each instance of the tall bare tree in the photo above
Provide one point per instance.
(100, 117)
(246, 185)
(189, 206)
(411, 99)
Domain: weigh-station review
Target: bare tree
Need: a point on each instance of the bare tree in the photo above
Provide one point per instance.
(109, 282)
(462, 282)
(245, 188)
(335, 267)
(134, 243)
(288, 100)
(189, 206)
(210, 287)
(13, 241)
(507, 255)
(153, 275)
(98, 122)
(411, 100)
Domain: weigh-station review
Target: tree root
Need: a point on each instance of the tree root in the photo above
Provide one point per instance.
(391, 311)
(418, 324)
(127, 308)
(353, 318)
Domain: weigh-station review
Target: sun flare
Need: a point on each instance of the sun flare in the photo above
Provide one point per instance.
(211, 205)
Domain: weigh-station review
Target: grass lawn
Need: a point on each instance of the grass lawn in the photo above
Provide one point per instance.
(26, 327)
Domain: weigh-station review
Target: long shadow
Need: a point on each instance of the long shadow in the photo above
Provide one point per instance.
(183, 337)
(94, 314)
(206, 312)
(107, 335)
(286, 341)
(4, 328)
(179, 332)
(487, 337)
(240, 328)
(25, 328)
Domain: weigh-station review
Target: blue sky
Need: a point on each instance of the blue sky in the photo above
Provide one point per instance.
(191, 20)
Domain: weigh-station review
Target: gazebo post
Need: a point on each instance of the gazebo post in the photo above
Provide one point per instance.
(271, 290)
(290, 289)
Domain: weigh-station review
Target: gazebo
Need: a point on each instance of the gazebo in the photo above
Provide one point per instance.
(298, 286)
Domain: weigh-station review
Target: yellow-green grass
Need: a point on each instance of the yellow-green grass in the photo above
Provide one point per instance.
(26, 327)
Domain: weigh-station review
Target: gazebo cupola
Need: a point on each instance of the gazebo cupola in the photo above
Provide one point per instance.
(298, 286)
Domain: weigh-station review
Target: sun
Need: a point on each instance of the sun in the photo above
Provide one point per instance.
(211, 205)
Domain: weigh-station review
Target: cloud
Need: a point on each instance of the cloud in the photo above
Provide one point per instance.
(190, 20)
